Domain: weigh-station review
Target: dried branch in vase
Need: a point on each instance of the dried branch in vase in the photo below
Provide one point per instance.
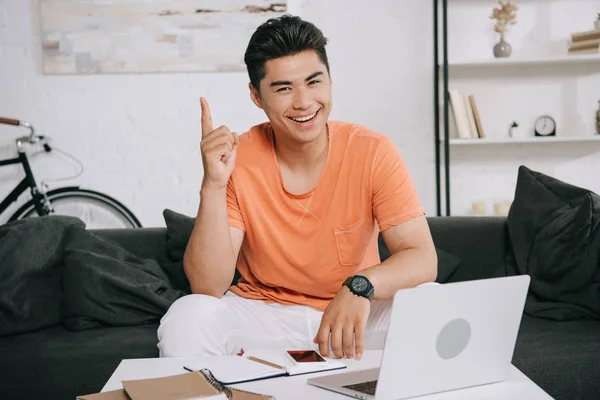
(505, 15)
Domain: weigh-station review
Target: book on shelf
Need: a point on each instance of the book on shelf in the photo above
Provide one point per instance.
(470, 116)
(585, 36)
(585, 42)
(464, 117)
(586, 50)
(479, 126)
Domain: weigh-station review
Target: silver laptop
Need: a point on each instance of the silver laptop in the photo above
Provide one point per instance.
(442, 337)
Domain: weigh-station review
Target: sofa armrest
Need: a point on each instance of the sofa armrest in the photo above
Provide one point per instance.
(480, 243)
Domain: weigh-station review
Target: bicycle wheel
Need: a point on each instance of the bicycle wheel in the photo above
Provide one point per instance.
(97, 210)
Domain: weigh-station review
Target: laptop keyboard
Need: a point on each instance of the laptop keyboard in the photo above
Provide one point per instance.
(363, 387)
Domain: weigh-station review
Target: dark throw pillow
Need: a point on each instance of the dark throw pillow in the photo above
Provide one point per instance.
(555, 238)
(179, 230)
(30, 272)
(104, 284)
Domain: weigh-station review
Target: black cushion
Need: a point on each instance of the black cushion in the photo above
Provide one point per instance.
(57, 364)
(555, 238)
(560, 357)
(179, 230)
(30, 272)
(104, 284)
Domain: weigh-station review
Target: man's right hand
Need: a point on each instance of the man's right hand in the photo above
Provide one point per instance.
(219, 149)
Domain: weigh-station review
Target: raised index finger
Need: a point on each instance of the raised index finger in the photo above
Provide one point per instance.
(207, 126)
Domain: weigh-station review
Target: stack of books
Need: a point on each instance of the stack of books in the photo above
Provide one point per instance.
(464, 119)
(585, 42)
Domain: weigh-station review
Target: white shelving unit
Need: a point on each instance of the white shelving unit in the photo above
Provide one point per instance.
(539, 78)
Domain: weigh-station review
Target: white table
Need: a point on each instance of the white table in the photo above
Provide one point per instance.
(516, 386)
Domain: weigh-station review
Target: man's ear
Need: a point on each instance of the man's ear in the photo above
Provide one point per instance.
(254, 95)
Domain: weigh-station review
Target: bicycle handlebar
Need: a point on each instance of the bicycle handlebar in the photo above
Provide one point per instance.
(16, 122)
(10, 121)
(32, 138)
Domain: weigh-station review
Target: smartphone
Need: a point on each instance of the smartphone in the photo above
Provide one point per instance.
(305, 356)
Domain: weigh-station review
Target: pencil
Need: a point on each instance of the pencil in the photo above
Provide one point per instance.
(270, 364)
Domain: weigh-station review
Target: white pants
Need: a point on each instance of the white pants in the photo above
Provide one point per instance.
(197, 325)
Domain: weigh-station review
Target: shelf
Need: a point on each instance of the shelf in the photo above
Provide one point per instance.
(548, 68)
(527, 140)
(513, 61)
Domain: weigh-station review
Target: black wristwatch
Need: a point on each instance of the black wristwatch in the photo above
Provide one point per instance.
(360, 286)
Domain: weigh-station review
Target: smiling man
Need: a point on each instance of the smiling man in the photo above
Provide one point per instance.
(296, 204)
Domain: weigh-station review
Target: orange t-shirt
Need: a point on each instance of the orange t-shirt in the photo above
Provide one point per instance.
(299, 249)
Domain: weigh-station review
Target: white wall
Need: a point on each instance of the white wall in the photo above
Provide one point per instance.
(138, 135)
(569, 93)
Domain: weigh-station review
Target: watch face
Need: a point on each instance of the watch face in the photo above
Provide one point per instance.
(359, 284)
(545, 125)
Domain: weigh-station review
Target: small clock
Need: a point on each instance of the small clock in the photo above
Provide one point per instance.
(545, 126)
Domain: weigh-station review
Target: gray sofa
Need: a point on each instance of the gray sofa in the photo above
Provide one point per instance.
(57, 363)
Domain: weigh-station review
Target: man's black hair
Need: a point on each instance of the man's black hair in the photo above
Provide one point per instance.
(280, 37)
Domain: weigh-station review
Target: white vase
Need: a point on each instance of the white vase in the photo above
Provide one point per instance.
(597, 24)
(515, 133)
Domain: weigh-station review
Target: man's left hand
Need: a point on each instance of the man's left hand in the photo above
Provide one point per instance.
(345, 319)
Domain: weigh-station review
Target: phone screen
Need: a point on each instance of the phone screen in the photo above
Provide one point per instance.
(302, 356)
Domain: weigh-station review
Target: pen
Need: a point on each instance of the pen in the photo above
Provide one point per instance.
(270, 364)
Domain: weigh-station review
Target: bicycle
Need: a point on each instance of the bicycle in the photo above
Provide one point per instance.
(98, 210)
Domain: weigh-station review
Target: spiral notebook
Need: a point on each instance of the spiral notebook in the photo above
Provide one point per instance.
(256, 365)
(192, 385)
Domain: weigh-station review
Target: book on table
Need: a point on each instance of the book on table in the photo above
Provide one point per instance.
(185, 386)
(199, 384)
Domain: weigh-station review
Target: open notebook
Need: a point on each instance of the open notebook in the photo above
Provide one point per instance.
(230, 369)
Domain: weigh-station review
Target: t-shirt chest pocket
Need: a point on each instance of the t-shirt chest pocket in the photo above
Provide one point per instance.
(351, 242)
